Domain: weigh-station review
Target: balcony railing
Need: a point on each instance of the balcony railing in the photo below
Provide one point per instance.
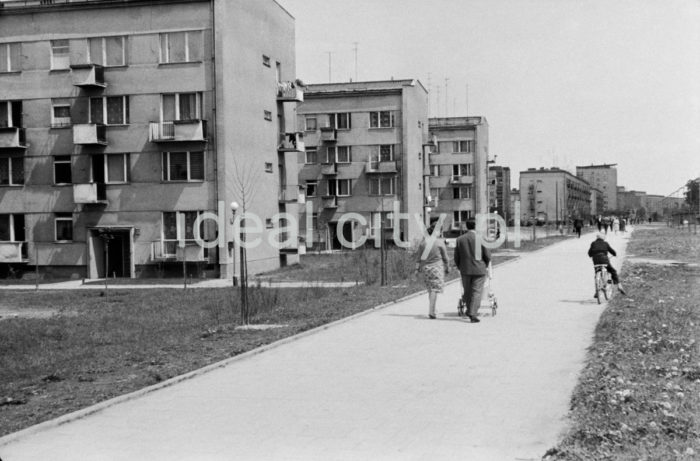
(329, 134)
(292, 142)
(381, 167)
(329, 169)
(88, 75)
(170, 250)
(90, 193)
(289, 92)
(90, 133)
(178, 131)
(329, 202)
(458, 179)
(13, 252)
(12, 138)
(291, 194)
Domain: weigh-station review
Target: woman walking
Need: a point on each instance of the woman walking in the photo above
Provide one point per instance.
(432, 263)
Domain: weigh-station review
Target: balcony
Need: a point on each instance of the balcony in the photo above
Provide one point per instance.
(291, 142)
(13, 252)
(88, 76)
(329, 169)
(329, 134)
(462, 179)
(90, 134)
(289, 92)
(291, 194)
(381, 167)
(178, 131)
(91, 193)
(12, 138)
(330, 201)
(191, 252)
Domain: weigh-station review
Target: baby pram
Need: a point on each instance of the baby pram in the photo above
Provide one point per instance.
(487, 302)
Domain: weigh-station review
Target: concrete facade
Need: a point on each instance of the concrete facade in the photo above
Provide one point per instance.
(364, 144)
(551, 195)
(457, 169)
(499, 191)
(132, 118)
(603, 178)
(597, 202)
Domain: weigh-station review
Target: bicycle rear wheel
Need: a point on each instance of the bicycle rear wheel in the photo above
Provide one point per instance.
(608, 291)
(599, 285)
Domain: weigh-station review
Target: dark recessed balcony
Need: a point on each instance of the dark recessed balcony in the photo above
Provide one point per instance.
(12, 138)
(291, 142)
(289, 92)
(329, 168)
(329, 134)
(90, 134)
(329, 202)
(88, 75)
(178, 131)
(462, 179)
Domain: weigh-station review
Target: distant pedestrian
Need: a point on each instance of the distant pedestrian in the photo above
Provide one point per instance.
(578, 224)
(615, 224)
(606, 224)
(472, 269)
(433, 264)
(599, 222)
(623, 225)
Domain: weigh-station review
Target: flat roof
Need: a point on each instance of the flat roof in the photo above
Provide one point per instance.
(358, 87)
(605, 165)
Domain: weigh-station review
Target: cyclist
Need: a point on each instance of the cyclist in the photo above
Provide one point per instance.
(599, 252)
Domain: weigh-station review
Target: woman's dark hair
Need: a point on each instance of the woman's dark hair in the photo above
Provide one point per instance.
(431, 228)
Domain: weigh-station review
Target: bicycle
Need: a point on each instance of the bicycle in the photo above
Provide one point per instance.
(603, 282)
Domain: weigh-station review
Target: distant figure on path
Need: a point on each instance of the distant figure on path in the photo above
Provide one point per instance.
(599, 222)
(606, 224)
(578, 224)
(615, 224)
(473, 270)
(623, 225)
(433, 264)
(599, 252)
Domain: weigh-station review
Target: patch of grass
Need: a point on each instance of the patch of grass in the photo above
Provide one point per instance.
(639, 395)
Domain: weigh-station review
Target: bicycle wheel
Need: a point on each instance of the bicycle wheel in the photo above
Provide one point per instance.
(608, 291)
(598, 285)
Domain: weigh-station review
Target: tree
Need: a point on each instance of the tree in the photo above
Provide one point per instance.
(692, 193)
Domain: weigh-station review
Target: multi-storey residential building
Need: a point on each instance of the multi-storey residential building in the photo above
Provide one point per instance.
(364, 143)
(499, 191)
(553, 195)
(457, 169)
(125, 121)
(604, 178)
(512, 212)
(629, 201)
(597, 201)
(653, 205)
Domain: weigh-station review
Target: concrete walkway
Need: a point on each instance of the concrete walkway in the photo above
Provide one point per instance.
(388, 385)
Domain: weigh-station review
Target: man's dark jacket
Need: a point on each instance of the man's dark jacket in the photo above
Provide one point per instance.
(599, 252)
(465, 256)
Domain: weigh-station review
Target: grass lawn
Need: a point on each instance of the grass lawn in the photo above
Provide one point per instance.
(639, 395)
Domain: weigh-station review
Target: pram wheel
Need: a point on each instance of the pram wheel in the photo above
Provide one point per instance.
(460, 308)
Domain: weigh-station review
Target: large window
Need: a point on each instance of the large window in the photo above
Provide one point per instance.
(107, 51)
(311, 188)
(10, 114)
(181, 106)
(11, 227)
(109, 110)
(463, 169)
(62, 169)
(11, 171)
(117, 168)
(183, 166)
(60, 54)
(383, 153)
(338, 154)
(310, 124)
(10, 54)
(339, 187)
(179, 225)
(310, 155)
(381, 119)
(63, 223)
(340, 121)
(378, 220)
(60, 113)
(460, 216)
(382, 186)
(462, 192)
(181, 46)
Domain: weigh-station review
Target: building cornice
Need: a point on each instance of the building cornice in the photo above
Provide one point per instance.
(36, 6)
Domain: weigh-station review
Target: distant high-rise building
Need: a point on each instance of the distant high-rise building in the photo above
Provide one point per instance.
(604, 178)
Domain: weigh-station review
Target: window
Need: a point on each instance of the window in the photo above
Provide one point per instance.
(311, 123)
(181, 106)
(60, 113)
(116, 112)
(338, 154)
(383, 153)
(117, 168)
(11, 171)
(10, 114)
(460, 216)
(60, 54)
(183, 166)
(381, 186)
(62, 169)
(339, 187)
(340, 121)
(462, 192)
(310, 155)
(10, 54)
(381, 119)
(181, 46)
(266, 61)
(377, 220)
(268, 115)
(180, 225)
(311, 188)
(63, 223)
(268, 167)
(463, 169)
(11, 227)
(107, 51)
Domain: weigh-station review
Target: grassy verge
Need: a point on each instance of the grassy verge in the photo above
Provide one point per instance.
(639, 395)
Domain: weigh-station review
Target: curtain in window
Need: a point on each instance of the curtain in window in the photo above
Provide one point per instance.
(197, 165)
(385, 119)
(3, 57)
(190, 217)
(373, 119)
(188, 106)
(96, 110)
(385, 153)
(17, 170)
(95, 45)
(343, 154)
(374, 186)
(115, 51)
(115, 110)
(387, 186)
(169, 226)
(178, 166)
(115, 168)
(194, 46)
(176, 47)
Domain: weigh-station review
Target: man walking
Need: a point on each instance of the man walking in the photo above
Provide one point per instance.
(473, 270)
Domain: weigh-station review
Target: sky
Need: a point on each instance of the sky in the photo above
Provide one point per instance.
(560, 82)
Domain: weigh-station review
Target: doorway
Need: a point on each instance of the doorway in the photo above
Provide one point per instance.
(110, 253)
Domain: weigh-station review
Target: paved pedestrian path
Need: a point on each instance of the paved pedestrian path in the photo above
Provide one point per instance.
(388, 385)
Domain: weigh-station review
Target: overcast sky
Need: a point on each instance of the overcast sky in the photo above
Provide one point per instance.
(561, 82)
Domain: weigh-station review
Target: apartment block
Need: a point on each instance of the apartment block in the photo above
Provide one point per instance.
(604, 178)
(499, 191)
(364, 144)
(457, 169)
(514, 197)
(553, 195)
(123, 122)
